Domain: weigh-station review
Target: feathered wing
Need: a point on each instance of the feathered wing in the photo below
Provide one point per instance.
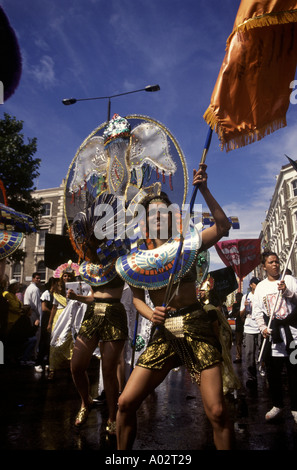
(150, 145)
(91, 160)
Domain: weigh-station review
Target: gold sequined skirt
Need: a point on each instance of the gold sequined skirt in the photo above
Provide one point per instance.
(108, 321)
(188, 340)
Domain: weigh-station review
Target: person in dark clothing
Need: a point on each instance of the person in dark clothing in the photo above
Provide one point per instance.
(42, 361)
(21, 338)
(239, 326)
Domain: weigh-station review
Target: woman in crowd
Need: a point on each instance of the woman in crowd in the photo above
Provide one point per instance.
(15, 306)
(60, 355)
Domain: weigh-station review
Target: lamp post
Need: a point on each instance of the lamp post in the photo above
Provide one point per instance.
(69, 101)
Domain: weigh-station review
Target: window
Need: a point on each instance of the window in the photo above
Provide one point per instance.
(46, 209)
(42, 234)
(294, 188)
(41, 269)
(17, 271)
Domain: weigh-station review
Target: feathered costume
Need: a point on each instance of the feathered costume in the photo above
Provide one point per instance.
(111, 174)
(109, 177)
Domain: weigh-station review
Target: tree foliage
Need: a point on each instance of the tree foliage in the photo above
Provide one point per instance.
(18, 168)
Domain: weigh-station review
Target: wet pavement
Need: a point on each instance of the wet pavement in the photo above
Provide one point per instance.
(38, 414)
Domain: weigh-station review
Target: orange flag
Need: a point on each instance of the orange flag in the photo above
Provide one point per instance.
(252, 93)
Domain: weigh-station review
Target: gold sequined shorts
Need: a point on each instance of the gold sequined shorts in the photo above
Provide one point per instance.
(108, 321)
(193, 344)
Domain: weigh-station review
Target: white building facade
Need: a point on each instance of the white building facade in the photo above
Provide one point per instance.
(280, 224)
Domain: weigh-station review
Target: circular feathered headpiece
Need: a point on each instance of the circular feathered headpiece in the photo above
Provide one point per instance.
(71, 268)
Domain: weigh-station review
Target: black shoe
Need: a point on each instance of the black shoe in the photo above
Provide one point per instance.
(101, 399)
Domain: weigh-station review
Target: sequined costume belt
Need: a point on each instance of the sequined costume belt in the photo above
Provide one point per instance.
(193, 321)
(175, 319)
(100, 306)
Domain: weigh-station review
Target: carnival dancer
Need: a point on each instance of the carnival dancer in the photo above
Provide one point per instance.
(183, 333)
(113, 170)
(105, 322)
(61, 344)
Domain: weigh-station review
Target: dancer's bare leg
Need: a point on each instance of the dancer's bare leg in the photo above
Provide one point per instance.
(121, 371)
(82, 354)
(140, 384)
(215, 408)
(110, 356)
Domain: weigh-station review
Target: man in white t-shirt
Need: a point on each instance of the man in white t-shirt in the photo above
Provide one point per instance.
(252, 334)
(277, 297)
(32, 297)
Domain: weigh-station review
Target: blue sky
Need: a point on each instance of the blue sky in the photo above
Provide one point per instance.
(89, 48)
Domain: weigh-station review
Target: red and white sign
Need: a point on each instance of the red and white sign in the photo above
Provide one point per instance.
(242, 255)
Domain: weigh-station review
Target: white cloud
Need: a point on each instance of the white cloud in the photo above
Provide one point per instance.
(44, 72)
(42, 44)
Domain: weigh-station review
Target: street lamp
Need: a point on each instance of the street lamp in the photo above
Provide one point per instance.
(68, 101)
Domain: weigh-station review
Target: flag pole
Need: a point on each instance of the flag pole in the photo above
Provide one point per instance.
(274, 308)
(186, 223)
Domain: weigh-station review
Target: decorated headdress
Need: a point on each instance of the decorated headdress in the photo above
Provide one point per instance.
(122, 158)
(116, 165)
(71, 268)
(118, 128)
